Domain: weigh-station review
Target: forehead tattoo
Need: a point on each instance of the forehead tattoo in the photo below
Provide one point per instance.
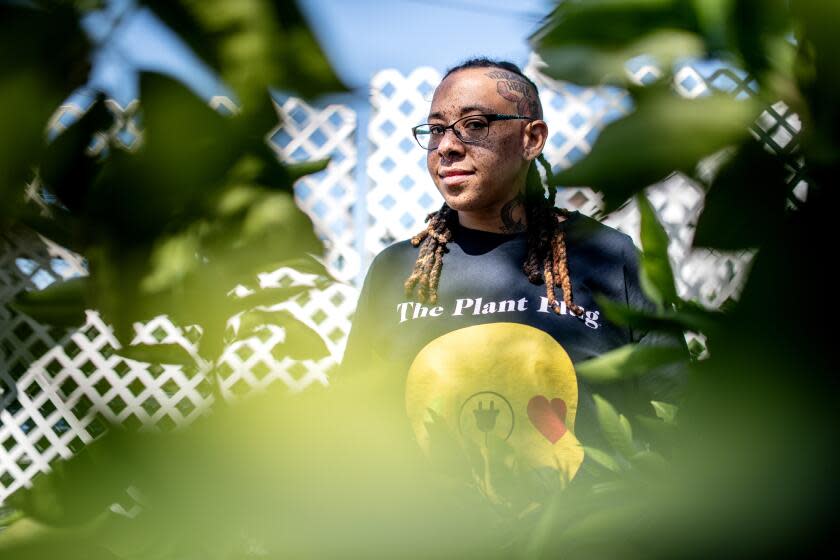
(514, 88)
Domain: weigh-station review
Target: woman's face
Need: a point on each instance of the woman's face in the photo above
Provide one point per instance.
(483, 176)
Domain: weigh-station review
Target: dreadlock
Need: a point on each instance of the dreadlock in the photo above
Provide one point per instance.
(546, 260)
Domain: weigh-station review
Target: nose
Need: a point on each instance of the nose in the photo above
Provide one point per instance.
(450, 144)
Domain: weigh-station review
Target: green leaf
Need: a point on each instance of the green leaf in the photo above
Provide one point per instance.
(689, 317)
(627, 361)
(595, 65)
(158, 354)
(615, 427)
(665, 412)
(761, 40)
(602, 458)
(298, 170)
(445, 453)
(66, 169)
(301, 342)
(752, 178)
(269, 296)
(655, 263)
(612, 23)
(236, 199)
(77, 489)
(172, 260)
(44, 54)
(713, 20)
(308, 264)
(31, 540)
(658, 431)
(61, 304)
(651, 462)
(187, 151)
(544, 530)
(664, 134)
(56, 224)
(271, 211)
(253, 44)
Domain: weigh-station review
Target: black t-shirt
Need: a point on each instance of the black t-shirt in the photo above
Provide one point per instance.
(482, 283)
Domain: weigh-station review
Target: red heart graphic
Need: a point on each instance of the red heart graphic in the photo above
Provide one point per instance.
(548, 417)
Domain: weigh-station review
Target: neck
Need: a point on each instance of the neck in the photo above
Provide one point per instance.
(510, 217)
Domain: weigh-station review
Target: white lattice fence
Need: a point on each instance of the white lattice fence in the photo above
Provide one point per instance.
(306, 134)
(400, 193)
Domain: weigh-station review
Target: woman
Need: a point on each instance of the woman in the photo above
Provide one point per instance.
(483, 314)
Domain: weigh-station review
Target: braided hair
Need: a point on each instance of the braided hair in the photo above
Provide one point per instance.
(546, 261)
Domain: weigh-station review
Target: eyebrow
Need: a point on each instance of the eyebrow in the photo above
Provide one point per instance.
(464, 111)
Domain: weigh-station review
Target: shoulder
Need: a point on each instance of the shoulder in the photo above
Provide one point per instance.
(398, 257)
(587, 233)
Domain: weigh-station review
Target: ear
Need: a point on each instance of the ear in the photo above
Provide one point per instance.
(535, 134)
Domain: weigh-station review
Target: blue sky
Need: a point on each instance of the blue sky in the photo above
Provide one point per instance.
(359, 37)
(363, 36)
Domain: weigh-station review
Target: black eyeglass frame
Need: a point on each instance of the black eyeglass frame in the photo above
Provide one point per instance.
(491, 117)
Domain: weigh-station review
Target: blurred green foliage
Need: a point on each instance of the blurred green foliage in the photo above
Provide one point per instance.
(747, 469)
(745, 466)
(203, 206)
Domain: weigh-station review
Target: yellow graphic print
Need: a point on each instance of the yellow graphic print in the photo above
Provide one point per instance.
(506, 379)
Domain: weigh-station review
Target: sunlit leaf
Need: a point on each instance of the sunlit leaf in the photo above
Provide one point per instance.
(615, 428)
(627, 361)
(664, 411)
(237, 199)
(602, 458)
(172, 259)
(655, 272)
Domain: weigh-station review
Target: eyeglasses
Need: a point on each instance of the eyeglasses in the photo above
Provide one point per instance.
(469, 129)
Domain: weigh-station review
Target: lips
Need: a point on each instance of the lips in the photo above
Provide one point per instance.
(452, 177)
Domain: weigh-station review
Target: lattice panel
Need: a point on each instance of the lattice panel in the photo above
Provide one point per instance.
(400, 192)
(55, 381)
(307, 134)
